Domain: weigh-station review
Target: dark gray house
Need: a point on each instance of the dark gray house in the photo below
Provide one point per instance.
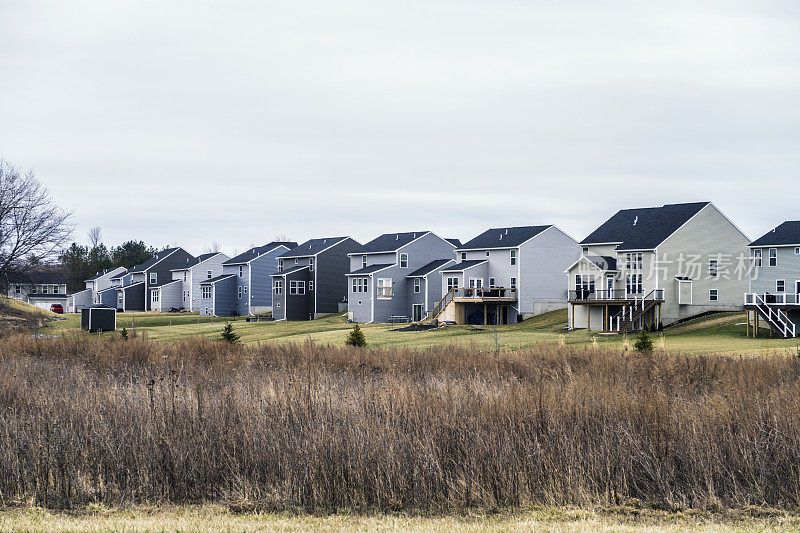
(141, 286)
(311, 280)
(384, 271)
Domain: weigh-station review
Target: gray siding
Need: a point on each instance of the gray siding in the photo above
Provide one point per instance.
(164, 267)
(79, 300)
(198, 273)
(330, 280)
(765, 279)
(542, 261)
(108, 298)
(223, 302)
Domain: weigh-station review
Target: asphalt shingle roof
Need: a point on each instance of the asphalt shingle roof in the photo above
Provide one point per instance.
(368, 270)
(645, 228)
(603, 262)
(196, 260)
(252, 253)
(103, 273)
(312, 246)
(430, 267)
(216, 279)
(454, 242)
(290, 270)
(787, 233)
(120, 275)
(45, 276)
(463, 265)
(389, 242)
(153, 260)
(503, 237)
(162, 283)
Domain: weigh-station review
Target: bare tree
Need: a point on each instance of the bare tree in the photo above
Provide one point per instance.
(281, 237)
(33, 229)
(213, 248)
(95, 236)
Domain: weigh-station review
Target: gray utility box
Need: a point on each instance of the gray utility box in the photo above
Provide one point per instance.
(98, 318)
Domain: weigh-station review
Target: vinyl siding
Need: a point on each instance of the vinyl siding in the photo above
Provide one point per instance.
(788, 269)
(330, 282)
(541, 262)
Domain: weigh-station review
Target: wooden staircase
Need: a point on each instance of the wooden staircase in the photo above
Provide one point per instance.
(775, 317)
(630, 314)
(441, 307)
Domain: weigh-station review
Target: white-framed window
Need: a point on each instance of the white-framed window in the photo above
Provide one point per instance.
(513, 257)
(585, 250)
(44, 289)
(241, 271)
(17, 289)
(301, 287)
(713, 295)
(780, 285)
(758, 259)
(55, 289)
(417, 285)
(363, 261)
(492, 282)
(153, 278)
(310, 286)
(452, 283)
(513, 283)
(280, 265)
(207, 311)
(797, 251)
(206, 293)
(209, 274)
(156, 295)
(403, 260)
(463, 256)
(634, 261)
(296, 261)
(297, 287)
(487, 253)
(773, 257)
(360, 284)
(633, 284)
(310, 266)
(713, 268)
(293, 287)
(185, 295)
(277, 286)
(185, 276)
(384, 287)
(239, 292)
(475, 283)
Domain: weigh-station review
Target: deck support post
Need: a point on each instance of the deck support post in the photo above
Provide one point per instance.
(589, 318)
(573, 316)
(485, 316)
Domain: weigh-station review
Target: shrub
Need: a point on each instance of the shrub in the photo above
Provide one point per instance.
(228, 334)
(356, 337)
(124, 333)
(643, 342)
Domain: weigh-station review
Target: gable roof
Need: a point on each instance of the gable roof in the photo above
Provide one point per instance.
(644, 228)
(430, 267)
(787, 234)
(368, 270)
(389, 242)
(464, 265)
(153, 260)
(289, 271)
(603, 262)
(454, 242)
(46, 275)
(162, 283)
(503, 237)
(312, 247)
(195, 261)
(257, 251)
(216, 279)
(121, 274)
(104, 272)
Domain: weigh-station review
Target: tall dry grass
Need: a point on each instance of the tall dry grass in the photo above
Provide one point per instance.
(324, 428)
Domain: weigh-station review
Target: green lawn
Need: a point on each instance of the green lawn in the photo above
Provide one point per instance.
(719, 333)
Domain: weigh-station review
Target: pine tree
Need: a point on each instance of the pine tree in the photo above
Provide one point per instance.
(356, 337)
(228, 335)
(124, 334)
(643, 342)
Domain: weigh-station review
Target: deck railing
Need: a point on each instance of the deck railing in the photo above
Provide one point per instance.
(780, 298)
(588, 295)
(485, 292)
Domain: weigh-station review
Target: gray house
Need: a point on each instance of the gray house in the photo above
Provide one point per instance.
(380, 278)
(201, 268)
(774, 287)
(311, 279)
(505, 275)
(141, 286)
(251, 291)
(652, 266)
(42, 287)
(94, 285)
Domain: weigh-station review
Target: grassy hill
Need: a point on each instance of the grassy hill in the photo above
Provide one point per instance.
(16, 315)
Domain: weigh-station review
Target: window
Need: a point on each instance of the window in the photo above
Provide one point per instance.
(207, 313)
(363, 261)
(452, 283)
(278, 305)
(773, 257)
(297, 287)
(44, 289)
(18, 289)
(384, 287)
(463, 256)
(585, 249)
(780, 286)
(241, 271)
(310, 286)
(280, 265)
(185, 276)
(156, 295)
(797, 251)
(491, 282)
(487, 253)
(153, 278)
(310, 266)
(417, 285)
(208, 274)
(296, 261)
(757, 258)
(513, 257)
(584, 284)
(633, 284)
(239, 292)
(713, 268)
(513, 283)
(185, 295)
(301, 287)
(713, 295)
(206, 294)
(277, 286)
(633, 261)
(403, 260)
(360, 284)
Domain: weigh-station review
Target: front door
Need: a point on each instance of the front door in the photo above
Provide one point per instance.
(416, 312)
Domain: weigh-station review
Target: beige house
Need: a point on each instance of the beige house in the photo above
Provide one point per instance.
(647, 268)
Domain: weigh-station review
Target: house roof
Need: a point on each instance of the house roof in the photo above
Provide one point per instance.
(192, 261)
(289, 271)
(312, 247)
(368, 269)
(503, 237)
(430, 267)
(454, 242)
(108, 289)
(216, 279)
(389, 242)
(46, 296)
(645, 228)
(162, 283)
(464, 265)
(603, 262)
(104, 272)
(42, 275)
(787, 234)
(152, 261)
(120, 275)
(257, 251)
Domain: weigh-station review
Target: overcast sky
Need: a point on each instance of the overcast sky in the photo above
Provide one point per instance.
(192, 122)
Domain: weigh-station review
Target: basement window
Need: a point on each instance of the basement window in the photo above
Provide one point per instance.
(713, 295)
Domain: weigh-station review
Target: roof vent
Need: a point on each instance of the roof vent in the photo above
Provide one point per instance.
(501, 236)
(397, 237)
(635, 221)
(506, 231)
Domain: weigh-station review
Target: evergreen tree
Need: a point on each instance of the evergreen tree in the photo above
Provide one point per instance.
(643, 342)
(131, 253)
(228, 335)
(356, 337)
(124, 333)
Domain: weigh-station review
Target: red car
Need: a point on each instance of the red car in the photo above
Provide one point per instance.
(57, 308)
